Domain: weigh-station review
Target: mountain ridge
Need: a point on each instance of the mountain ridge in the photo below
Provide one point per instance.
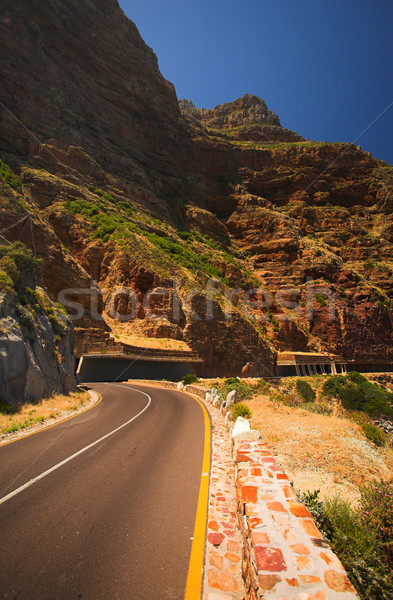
(148, 191)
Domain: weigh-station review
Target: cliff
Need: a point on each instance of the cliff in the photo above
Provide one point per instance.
(217, 227)
(36, 335)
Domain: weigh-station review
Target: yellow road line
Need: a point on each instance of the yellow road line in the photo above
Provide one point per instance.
(195, 569)
(22, 437)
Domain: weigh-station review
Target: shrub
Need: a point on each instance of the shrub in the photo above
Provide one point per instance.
(361, 537)
(6, 409)
(231, 380)
(243, 390)
(305, 390)
(189, 378)
(23, 258)
(357, 393)
(240, 410)
(6, 283)
(320, 299)
(8, 266)
(374, 433)
(319, 409)
(9, 177)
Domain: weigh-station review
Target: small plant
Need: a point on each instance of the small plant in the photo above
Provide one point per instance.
(305, 390)
(231, 380)
(240, 410)
(374, 433)
(319, 409)
(189, 378)
(320, 299)
(361, 537)
(243, 390)
(9, 177)
(6, 409)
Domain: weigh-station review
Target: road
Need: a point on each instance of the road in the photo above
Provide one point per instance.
(116, 521)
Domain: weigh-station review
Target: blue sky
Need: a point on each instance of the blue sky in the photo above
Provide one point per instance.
(325, 67)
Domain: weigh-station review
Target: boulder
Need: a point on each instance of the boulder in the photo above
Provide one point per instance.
(231, 399)
(241, 426)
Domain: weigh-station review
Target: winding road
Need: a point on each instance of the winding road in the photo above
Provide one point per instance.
(103, 506)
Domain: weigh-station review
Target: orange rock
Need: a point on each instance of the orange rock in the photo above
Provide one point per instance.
(216, 561)
(249, 493)
(338, 581)
(302, 562)
(260, 537)
(267, 582)
(221, 581)
(276, 506)
(292, 582)
(232, 557)
(299, 510)
(300, 549)
(213, 525)
(269, 559)
(310, 528)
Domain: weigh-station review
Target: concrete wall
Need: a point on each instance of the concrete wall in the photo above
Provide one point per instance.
(99, 368)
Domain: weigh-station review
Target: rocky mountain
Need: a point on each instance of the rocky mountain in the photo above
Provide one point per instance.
(215, 227)
(36, 334)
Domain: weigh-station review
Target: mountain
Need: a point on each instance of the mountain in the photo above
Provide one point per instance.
(219, 229)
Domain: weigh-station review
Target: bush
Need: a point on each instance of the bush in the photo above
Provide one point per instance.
(21, 256)
(357, 393)
(374, 433)
(361, 537)
(320, 299)
(9, 177)
(240, 410)
(319, 409)
(189, 378)
(6, 409)
(231, 380)
(305, 390)
(6, 283)
(243, 390)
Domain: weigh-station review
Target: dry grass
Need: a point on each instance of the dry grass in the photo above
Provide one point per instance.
(56, 406)
(143, 342)
(325, 452)
(317, 451)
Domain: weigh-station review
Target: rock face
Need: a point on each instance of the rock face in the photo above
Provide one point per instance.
(79, 72)
(138, 206)
(36, 351)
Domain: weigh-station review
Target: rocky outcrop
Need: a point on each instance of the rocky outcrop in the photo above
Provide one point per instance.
(121, 188)
(79, 72)
(36, 349)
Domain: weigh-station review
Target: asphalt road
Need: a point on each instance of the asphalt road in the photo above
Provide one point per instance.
(116, 521)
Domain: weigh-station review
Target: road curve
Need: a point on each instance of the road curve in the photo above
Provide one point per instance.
(116, 521)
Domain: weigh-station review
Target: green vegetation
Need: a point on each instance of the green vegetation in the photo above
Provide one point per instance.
(240, 410)
(356, 393)
(189, 378)
(374, 433)
(14, 260)
(320, 299)
(6, 409)
(362, 537)
(305, 390)
(231, 380)
(244, 391)
(9, 177)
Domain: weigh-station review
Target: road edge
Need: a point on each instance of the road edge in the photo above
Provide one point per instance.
(196, 564)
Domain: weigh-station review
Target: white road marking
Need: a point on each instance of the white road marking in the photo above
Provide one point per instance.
(66, 460)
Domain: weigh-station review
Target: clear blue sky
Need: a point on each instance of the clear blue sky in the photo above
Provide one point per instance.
(324, 66)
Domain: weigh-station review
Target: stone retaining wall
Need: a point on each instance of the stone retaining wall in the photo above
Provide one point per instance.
(286, 555)
(282, 555)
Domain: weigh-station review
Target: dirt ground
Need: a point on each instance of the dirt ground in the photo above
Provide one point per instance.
(318, 452)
